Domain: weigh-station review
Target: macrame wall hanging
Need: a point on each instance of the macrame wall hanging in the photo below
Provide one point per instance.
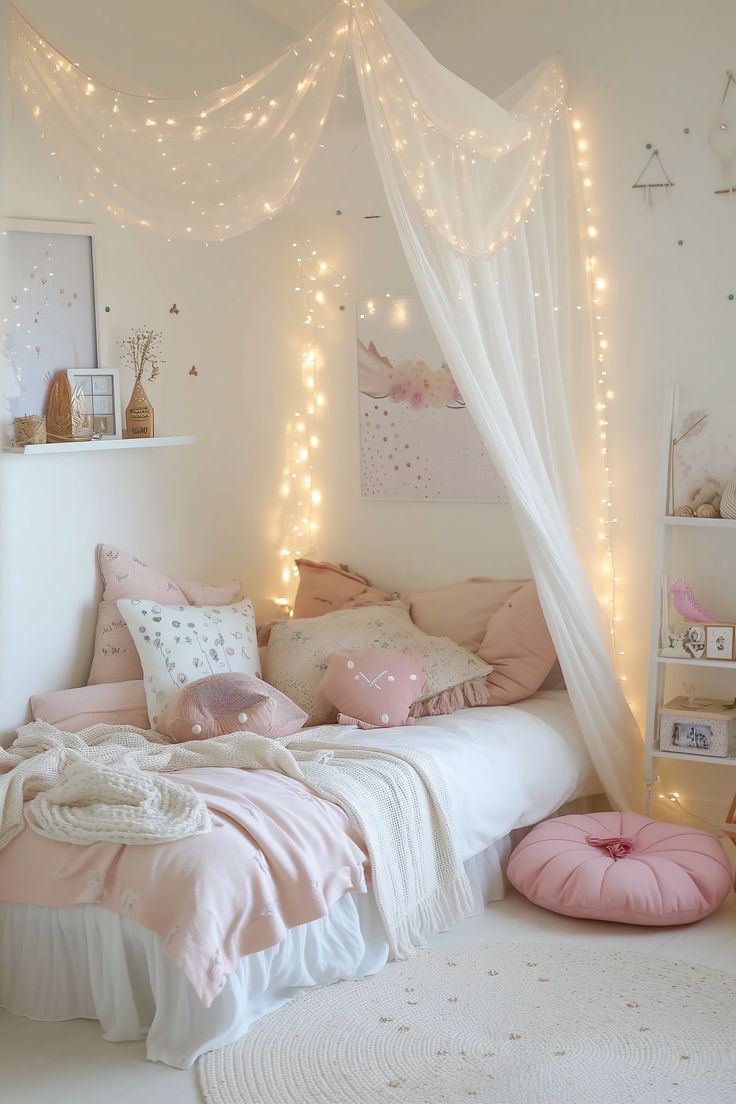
(653, 175)
(722, 136)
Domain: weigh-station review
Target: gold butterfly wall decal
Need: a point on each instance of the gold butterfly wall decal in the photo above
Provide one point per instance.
(193, 371)
(173, 309)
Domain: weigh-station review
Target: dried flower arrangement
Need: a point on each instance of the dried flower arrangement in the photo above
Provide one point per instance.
(142, 350)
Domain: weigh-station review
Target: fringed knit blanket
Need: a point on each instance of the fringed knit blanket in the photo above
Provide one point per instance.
(105, 784)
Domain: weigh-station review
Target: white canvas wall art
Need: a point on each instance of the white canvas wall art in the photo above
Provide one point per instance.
(48, 317)
(417, 438)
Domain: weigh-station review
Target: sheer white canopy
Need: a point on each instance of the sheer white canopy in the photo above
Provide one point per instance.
(483, 197)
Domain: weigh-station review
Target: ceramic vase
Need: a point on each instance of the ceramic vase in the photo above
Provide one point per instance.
(728, 500)
(139, 414)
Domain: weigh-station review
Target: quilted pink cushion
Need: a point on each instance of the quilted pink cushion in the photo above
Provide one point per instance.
(374, 687)
(622, 867)
(232, 702)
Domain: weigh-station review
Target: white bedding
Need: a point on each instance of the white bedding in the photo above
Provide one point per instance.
(505, 768)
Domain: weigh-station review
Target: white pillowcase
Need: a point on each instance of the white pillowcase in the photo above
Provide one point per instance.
(297, 653)
(179, 644)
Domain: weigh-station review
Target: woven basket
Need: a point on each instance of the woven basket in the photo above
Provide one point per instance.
(30, 430)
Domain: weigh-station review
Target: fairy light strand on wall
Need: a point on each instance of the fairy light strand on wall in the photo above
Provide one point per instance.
(597, 285)
(320, 289)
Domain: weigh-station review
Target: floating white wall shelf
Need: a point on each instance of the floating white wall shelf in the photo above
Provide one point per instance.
(99, 446)
(699, 523)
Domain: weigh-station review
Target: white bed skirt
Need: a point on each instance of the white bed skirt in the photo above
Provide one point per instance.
(86, 962)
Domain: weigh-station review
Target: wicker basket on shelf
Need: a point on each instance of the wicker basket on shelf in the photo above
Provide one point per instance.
(29, 430)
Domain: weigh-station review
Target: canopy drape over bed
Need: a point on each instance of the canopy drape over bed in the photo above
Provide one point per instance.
(483, 196)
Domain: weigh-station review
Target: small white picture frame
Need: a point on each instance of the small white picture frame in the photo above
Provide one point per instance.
(720, 642)
(101, 390)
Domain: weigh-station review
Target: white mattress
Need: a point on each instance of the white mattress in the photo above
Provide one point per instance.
(506, 768)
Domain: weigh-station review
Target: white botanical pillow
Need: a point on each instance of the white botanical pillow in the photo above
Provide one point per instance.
(297, 653)
(179, 644)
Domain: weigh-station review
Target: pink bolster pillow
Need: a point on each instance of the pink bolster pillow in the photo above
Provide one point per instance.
(121, 703)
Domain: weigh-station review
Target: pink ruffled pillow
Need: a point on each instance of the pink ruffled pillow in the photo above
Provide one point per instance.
(219, 704)
(622, 867)
(373, 688)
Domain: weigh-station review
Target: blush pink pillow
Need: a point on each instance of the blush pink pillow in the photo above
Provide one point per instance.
(106, 703)
(518, 646)
(622, 867)
(232, 702)
(324, 587)
(125, 576)
(373, 688)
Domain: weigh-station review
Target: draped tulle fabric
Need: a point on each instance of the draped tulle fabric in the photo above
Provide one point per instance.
(208, 167)
(483, 197)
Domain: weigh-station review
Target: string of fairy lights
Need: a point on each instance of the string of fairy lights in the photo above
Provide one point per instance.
(320, 288)
(604, 394)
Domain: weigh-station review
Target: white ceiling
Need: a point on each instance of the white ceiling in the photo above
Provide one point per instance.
(300, 15)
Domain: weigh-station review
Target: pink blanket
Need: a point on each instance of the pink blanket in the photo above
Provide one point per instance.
(278, 856)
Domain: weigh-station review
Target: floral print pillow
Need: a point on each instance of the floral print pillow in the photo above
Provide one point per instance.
(298, 652)
(180, 644)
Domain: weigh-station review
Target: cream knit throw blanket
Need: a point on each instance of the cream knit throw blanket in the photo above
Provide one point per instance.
(91, 786)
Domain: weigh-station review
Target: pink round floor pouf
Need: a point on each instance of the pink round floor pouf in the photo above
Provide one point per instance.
(622, 867)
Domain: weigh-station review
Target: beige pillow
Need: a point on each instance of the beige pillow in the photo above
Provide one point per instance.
(298, 652)
(462, 610)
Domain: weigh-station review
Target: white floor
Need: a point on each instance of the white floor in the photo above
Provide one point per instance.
(69, 1063)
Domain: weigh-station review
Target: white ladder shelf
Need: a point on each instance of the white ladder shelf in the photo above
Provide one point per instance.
(667, 526)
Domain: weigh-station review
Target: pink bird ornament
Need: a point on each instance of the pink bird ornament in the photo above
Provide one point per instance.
(688, 605)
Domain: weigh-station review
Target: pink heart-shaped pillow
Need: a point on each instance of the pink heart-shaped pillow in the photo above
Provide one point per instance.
(373, 688)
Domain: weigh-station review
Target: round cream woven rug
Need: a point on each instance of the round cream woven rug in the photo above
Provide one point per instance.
(494, 1024)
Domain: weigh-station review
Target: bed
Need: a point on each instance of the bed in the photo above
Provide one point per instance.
(506, 768)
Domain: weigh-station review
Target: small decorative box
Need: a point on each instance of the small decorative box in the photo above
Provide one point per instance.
(707, 727)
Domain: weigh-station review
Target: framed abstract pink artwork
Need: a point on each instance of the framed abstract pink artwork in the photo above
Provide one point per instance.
(418, 441)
